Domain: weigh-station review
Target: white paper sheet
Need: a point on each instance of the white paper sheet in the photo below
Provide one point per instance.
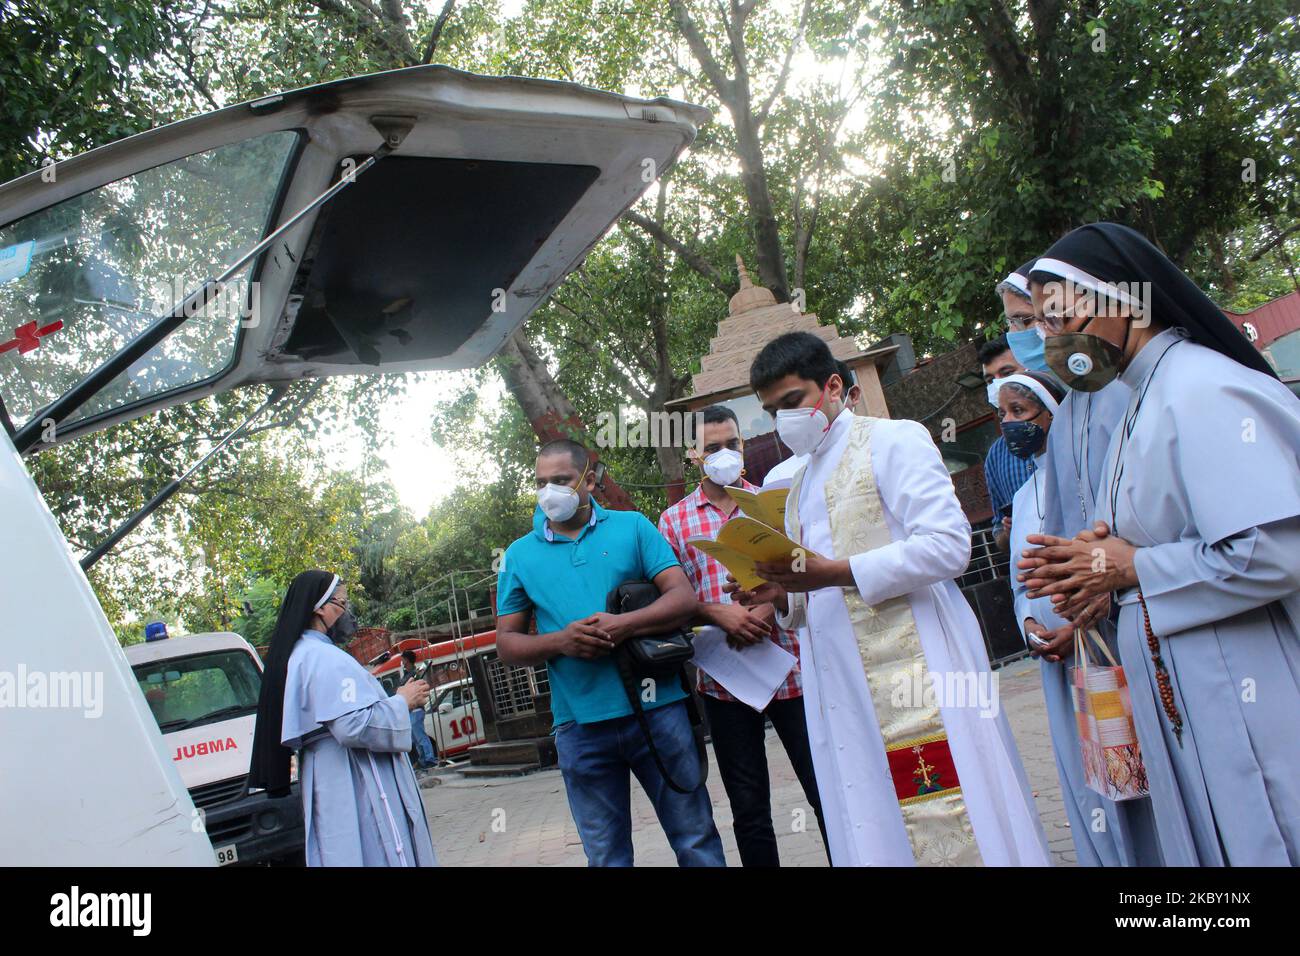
(752, 675)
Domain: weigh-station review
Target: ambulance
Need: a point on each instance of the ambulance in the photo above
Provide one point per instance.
(396, 222)
(202, 690)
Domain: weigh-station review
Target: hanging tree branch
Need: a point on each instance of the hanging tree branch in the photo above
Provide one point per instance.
(437, 30)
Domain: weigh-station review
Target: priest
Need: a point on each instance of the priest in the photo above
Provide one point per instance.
(915, 761)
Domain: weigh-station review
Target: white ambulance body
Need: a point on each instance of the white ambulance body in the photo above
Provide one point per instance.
(403, 221)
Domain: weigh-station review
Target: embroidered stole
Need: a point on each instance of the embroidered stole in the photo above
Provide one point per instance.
(916, 744)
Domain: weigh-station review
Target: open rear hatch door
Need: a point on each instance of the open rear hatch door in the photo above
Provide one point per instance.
(489, 191)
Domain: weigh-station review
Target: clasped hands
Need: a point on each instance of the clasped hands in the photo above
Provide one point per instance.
(1078, 574)
(593, 636)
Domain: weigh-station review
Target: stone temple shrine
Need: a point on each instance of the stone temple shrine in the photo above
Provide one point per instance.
(754, 318)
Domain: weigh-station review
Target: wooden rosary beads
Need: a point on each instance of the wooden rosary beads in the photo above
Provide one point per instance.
(1162, 675)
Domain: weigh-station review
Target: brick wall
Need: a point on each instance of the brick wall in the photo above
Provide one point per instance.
(930, 394)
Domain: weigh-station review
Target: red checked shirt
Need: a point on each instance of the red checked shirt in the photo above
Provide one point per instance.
(695, 516)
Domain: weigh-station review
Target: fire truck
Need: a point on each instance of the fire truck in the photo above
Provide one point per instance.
(453, 718)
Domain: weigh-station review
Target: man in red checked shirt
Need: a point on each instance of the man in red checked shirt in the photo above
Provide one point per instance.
(738, 731)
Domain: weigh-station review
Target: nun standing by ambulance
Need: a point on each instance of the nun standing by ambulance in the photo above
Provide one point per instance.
(1199, 525)
(1105, 832)
(361, 804)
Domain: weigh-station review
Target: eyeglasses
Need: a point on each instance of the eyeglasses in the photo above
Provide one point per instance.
(1054, 322)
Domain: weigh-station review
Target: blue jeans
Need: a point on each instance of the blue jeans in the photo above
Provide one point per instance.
(595, 760)
(423, 745)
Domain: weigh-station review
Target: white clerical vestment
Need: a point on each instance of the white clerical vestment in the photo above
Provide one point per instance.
(904, 816)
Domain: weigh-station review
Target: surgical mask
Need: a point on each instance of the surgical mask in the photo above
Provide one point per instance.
(342, 630)
(1027, 347)
(1084, 362)
(560, 502)
(992, 391)
(803, 429)
(1024, 439)
(724, 466)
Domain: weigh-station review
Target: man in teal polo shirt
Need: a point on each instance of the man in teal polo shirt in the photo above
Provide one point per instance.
(563, 571)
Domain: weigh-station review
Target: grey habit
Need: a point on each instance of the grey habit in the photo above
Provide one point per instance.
(361, 804)
(1207, 485)
(1105, 832)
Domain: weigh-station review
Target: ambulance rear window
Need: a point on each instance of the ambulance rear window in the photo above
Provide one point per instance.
(80, 279)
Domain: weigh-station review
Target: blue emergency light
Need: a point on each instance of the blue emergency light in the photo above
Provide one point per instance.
(155, 631)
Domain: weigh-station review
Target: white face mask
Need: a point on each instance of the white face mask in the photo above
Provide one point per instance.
(802, 429)
(724, 466)
(558, 502)
(992, 389)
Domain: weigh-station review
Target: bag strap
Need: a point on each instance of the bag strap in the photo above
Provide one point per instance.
(634, 697)
(697, 727)
(1095, 635)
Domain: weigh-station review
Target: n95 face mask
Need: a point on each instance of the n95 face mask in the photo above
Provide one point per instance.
(724, 466)
(558, 502)
(802, 429)
(1086, 363)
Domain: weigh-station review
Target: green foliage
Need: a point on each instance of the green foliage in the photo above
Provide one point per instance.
(259, 606)
(466, 534)
(913, 153)
(63, 67)
(1143, 113)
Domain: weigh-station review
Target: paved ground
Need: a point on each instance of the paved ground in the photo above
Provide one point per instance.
(525, 821)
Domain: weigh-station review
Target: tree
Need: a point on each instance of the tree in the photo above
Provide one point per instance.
(63, 68)
(1008, 124)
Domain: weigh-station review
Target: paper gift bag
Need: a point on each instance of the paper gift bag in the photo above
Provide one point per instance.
(1112, 759)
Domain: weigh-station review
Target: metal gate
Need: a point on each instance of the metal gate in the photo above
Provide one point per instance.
(986, 585)
(514, 689)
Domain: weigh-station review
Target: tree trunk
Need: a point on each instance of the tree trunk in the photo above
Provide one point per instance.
(767, 238)
(666, 386)
(734, 93)
(549, 410)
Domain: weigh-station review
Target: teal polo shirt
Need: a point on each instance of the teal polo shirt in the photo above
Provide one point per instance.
(566, 580)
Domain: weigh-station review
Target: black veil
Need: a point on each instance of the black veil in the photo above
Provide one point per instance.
(1113, 253)
(269, 767)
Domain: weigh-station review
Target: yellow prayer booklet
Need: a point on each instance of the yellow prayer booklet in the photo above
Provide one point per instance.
(766, 506)
(744, 541)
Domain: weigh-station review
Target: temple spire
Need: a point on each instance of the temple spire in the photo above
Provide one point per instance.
(745, 282)
(750, 296)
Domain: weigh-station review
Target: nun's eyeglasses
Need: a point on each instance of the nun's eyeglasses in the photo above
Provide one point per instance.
(1054, 322)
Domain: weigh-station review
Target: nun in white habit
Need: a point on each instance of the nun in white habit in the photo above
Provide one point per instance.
(361, 803)
(1199, 524)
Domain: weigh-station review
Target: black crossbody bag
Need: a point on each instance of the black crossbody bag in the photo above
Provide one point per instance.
(659, 657)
